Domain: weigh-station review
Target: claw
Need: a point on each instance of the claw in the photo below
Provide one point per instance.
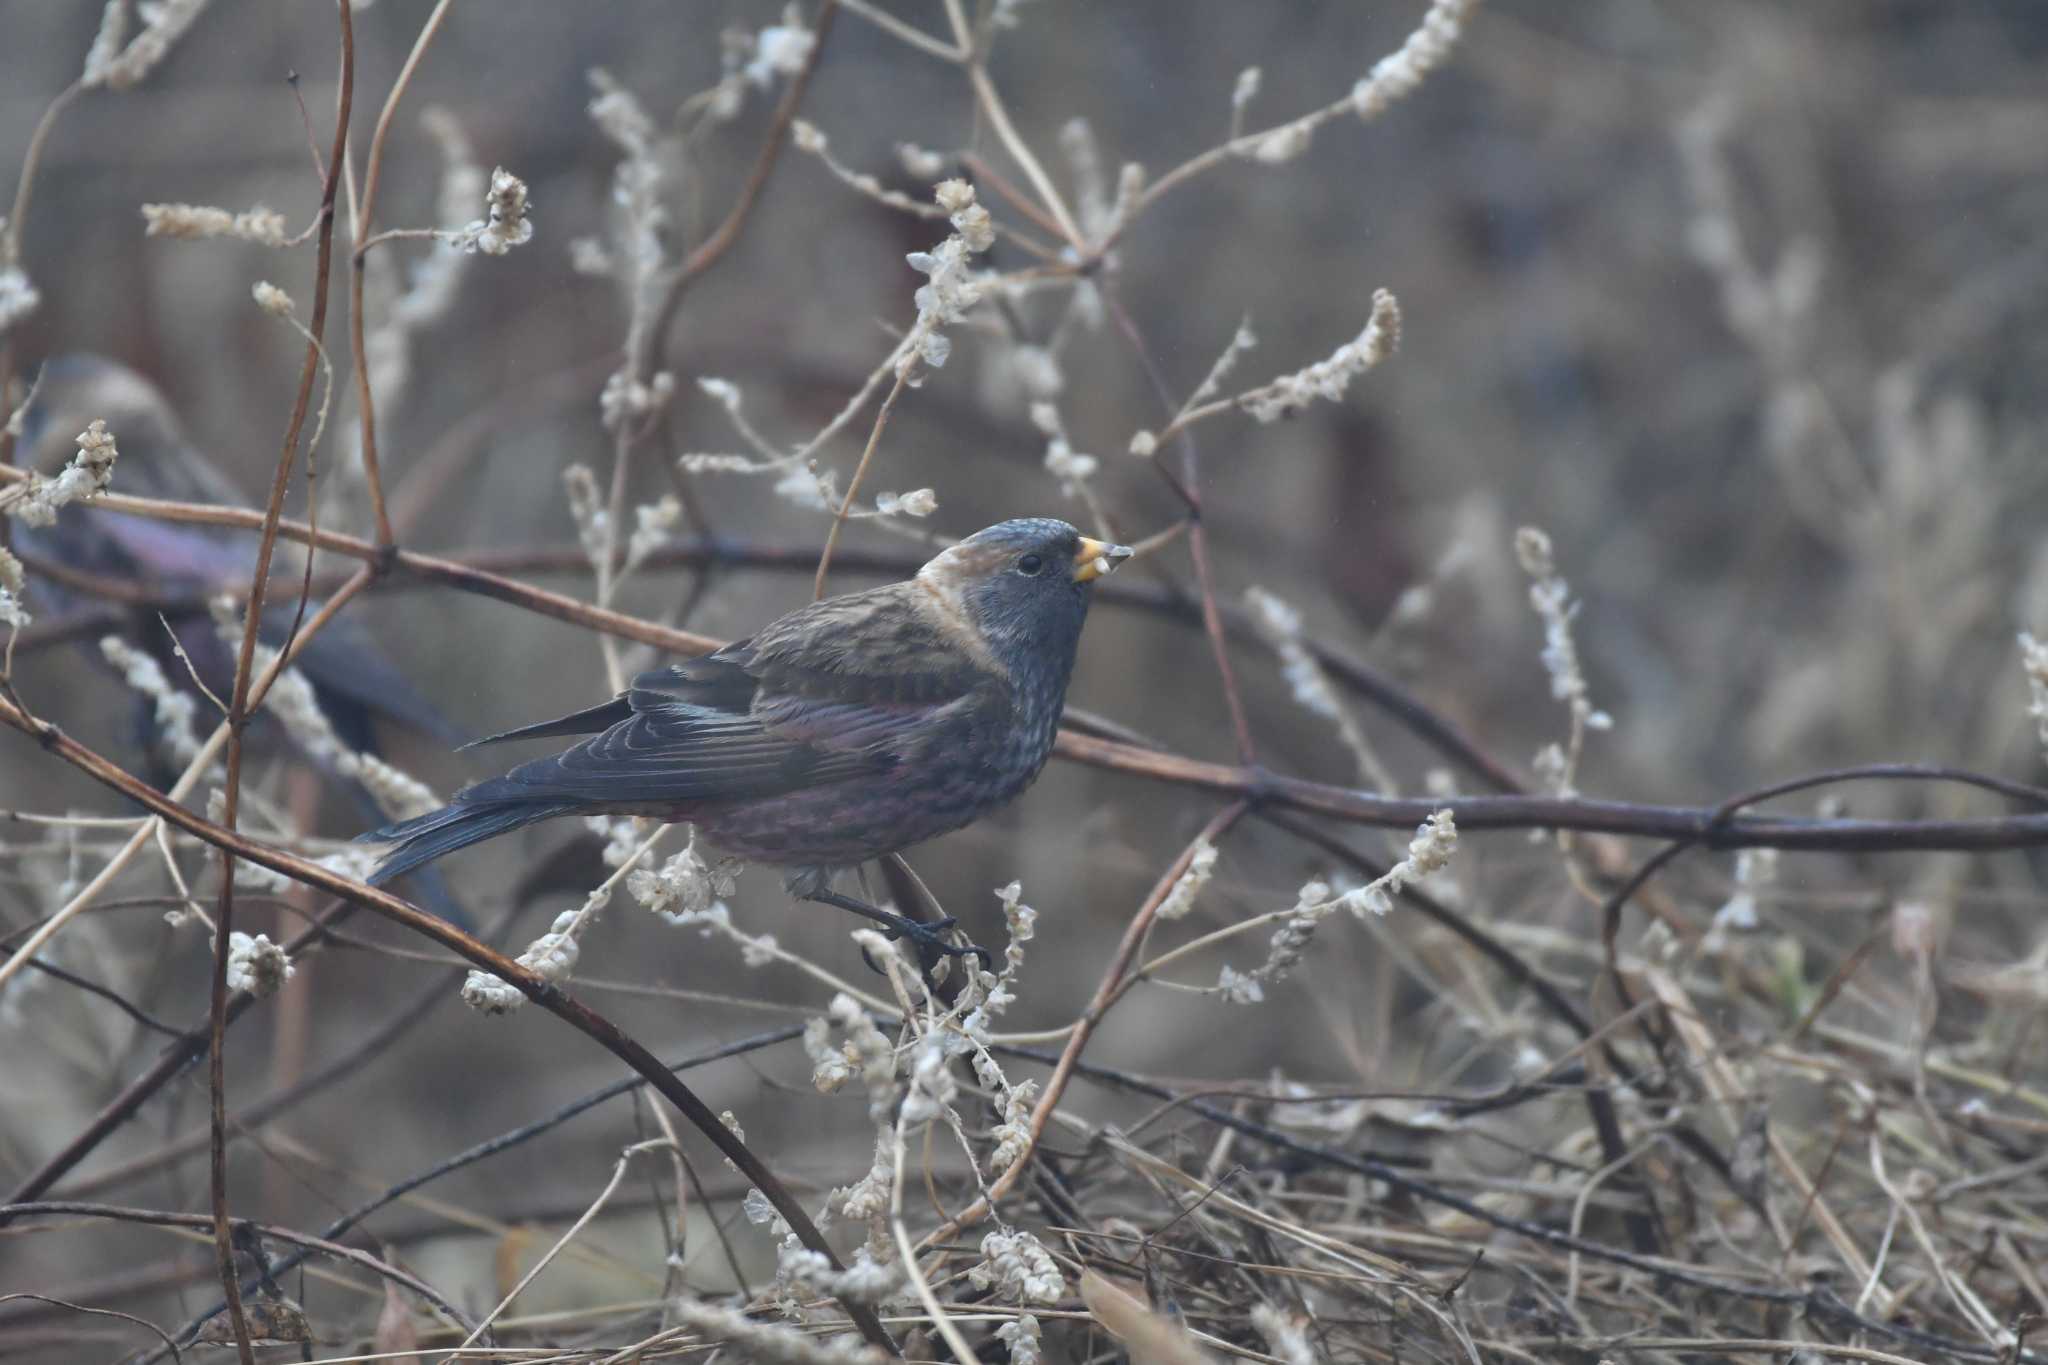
(933, 948)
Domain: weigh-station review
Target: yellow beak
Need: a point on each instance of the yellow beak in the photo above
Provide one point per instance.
(1096, 558)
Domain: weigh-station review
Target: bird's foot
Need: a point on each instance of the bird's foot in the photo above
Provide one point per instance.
(929, 938)
(932, 945)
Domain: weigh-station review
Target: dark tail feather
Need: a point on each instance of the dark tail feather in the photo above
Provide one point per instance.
(586, 722)
(429, 888)
(456, 825)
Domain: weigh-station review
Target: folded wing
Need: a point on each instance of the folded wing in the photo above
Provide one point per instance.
(759, 718)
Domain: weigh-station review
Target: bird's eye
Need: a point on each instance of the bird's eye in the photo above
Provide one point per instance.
(1030, 565)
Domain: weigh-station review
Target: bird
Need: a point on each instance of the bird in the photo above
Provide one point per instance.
(851, 728)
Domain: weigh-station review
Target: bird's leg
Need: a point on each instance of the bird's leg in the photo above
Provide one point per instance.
(929, 938)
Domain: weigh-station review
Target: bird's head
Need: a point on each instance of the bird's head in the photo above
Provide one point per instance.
(1023, 587)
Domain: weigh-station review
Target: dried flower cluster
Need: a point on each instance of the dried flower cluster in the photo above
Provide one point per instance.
(867, 1199)
(552, 957)
(952, 287)
(504, 224)
(106, 43)
(779, 49)
(869, 1280)
(1428, 852)
(918, 502)
(1188, 886)
(1551, 597)
(1756, 871)
(1016, 1266)
(2034, 662)
(1329, 378)
(91, 472)
(865, 1052)
(625, 399)
(635, 257)
(257, 965)
(654, 525)
(1062, 461)
(13, 590)
(587, 510)
(684, 888)
(1392, 78)
(175, 710)
(1396, 75)
(272, 300)
(119, 67)
(192, 222)
(808, 138)
(1279, 625)
(18, 296)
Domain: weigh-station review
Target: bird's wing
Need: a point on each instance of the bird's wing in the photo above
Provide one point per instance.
(825, 694)
(893, 644)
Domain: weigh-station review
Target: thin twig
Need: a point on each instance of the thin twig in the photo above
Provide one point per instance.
(853, 485)
(238, 708)
(359, 227)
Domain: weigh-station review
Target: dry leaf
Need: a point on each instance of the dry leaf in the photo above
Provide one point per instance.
(1148, 1338)
(395, 1330)
(512, 1247)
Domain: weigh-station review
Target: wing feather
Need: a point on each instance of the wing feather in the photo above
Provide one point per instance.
(841, 689)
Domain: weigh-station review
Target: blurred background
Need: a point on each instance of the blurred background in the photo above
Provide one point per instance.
(1742, 303)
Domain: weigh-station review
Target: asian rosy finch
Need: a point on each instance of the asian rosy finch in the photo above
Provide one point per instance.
(846, 730)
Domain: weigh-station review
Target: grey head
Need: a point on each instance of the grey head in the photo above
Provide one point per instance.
(1024, 587)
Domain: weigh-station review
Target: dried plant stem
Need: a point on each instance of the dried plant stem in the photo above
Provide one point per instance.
(859, 472)
(919, 1284)
(991, 102)
(1188, 486)
(1187, 417)
(1205, 161)
(359, 227)
(985, 174)
(238, 707)
(31, 161)
(17, 217)
(908, 34)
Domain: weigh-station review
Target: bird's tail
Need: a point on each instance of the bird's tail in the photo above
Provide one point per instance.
(456, 825)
